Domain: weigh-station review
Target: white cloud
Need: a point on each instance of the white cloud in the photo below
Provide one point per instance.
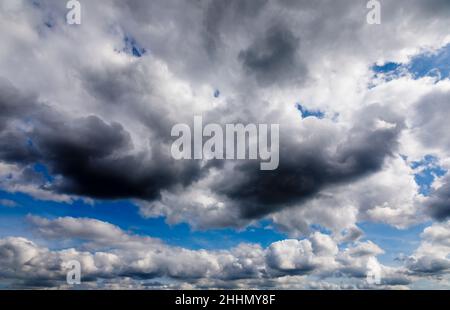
(431, 258)
(107, 252)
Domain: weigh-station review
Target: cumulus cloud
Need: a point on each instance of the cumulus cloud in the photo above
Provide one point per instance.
(431, 258)
(116, 127)
(107, 252)
(100, 154)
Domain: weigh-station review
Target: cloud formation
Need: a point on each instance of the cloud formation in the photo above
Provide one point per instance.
(85, 116)
(107, 252)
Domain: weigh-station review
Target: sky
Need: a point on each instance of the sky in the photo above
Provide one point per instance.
(86, 171)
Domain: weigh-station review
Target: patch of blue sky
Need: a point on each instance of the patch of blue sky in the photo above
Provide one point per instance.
(320, 228)
(125, 215)
(42, 170)
(387, 72)
(132, 47)
(49, 23)
(428, 169)
(386, 68)
(394, 242)
(434, 64)
(305, 112)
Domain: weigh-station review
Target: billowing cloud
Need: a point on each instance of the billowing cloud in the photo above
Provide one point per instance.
(431, 258)
(107, 252)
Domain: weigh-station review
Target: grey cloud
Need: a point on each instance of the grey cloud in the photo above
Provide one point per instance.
(306, 168)
(431, 258)
(116, 85)
(94, 158)
(221, 14)
(438, 204)
(14, 107)
(352, 234)
(430, 120)
(273, 58)
(429, 265)
(12, 102)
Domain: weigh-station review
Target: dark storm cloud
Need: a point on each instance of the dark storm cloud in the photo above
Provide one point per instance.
(88, 155)
(15, 147)
(94, 158)
(273, 58)
(306, 168)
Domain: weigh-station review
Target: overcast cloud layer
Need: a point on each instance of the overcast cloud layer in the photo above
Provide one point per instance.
(95, 103)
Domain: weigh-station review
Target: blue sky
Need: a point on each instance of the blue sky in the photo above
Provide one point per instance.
(126, 215)
(434, 64)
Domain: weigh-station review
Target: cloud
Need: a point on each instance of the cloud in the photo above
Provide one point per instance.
(315, 156)
(91, 157)
(429, 121)
(273, 59)
(431, 258)
(98, 119)
(8, 203)
(306, 168)
(83, 229)
(438, 204)
(116, 112)
(96, 159)
(291, 256)
(107, 252)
